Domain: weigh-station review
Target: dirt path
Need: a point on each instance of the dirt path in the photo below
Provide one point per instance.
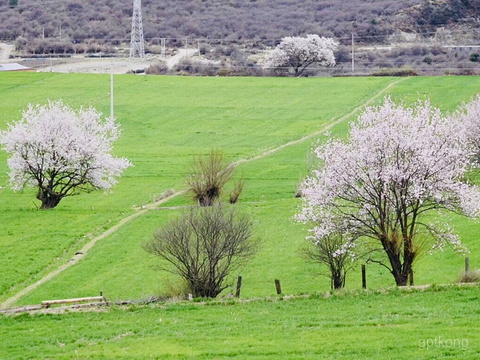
(174, 60)
(83, 251)
(79, 64)
(5, 51)
(139, 212)
(98, 66)
(323, 129)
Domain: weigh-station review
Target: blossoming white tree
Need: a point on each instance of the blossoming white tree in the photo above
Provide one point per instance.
(301, 52)
(62, 151)
(398, 165)
(469, 116)
(336, 251)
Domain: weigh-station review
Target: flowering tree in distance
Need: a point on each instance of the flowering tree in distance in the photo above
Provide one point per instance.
(301, 52)
(398, 165)
(62, 151)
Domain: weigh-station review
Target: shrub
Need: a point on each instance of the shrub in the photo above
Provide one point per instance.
(474, 57)
(470, 277)
(20, 43)
(395, 72)
(208, 177)
(157, 69)
(237, 190)
(203, 246)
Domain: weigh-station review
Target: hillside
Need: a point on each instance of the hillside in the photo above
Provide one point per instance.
(165, 122)
(108, 21)
(232, 38)
(268, 126)
(212, 19)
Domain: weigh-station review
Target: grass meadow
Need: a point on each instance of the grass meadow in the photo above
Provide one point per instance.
(356, 325)
(165, 122)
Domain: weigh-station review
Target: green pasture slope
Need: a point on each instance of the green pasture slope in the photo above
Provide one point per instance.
(165, 121)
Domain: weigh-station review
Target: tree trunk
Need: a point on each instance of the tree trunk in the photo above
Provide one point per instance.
(338, 283)
(399, 271)
(338, 280)
(49, 200)
(209, 197)
(400, 278)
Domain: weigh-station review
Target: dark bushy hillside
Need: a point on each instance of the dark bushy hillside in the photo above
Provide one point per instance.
(109, 20)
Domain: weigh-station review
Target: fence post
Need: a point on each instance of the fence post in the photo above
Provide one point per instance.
(467, 265)
(410, 275)
(278, 287)
(239, 287)
(364, 277)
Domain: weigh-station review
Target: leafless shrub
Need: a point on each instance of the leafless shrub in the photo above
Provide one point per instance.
(208, 177)
(157, 69)
(236, 192)
(203, 246)
(404, 71)
(164, 195)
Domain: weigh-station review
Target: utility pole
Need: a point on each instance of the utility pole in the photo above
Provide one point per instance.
(353, 54)
(43, 32)
(111, 88)
(137, 43)
(163, 54)
(111, 93)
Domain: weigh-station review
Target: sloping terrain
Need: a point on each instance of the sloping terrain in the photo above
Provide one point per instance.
(213, 19)
(167, 120)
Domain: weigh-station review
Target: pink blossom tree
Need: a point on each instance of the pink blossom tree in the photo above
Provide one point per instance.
(62, 151)
(301, 52)
(399, 165)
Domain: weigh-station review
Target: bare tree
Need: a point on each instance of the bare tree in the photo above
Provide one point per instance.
(209, 175)
(203, 246)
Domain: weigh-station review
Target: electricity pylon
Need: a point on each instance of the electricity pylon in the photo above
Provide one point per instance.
(137, 45)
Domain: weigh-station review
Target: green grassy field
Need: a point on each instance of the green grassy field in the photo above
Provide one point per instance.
(359, 325)
(165, 121)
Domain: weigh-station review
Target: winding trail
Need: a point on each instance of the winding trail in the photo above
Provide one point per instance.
(83, 251)
(139, 212)
(182, 53)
